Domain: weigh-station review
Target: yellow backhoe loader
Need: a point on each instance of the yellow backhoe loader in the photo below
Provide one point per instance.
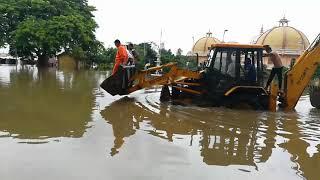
(224, 79)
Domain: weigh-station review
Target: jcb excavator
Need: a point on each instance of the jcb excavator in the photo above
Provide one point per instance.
(224, 79)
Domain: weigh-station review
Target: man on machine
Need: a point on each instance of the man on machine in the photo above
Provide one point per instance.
(121, 56)
(277, 66)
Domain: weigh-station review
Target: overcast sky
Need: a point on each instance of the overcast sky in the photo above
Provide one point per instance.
(180, 20)
(142, 20)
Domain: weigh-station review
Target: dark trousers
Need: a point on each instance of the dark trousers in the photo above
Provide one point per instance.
(274, 72)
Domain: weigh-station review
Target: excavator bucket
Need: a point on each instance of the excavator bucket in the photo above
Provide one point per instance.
(116, 84)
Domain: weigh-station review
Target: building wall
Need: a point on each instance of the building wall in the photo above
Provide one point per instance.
(66, 62)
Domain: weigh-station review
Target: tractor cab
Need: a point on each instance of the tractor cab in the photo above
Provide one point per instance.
(234, 70)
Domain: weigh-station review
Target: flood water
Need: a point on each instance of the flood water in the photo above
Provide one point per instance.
(60, 125)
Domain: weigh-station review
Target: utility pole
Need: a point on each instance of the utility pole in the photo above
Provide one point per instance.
(224, 33)
(160, 47)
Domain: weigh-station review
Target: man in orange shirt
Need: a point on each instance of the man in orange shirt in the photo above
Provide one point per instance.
(121, 56)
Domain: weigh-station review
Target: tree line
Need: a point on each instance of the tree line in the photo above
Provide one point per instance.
(43, 28)
(40, 29)
(147, 55)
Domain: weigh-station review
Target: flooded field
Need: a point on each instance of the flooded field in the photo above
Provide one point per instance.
(61, 125)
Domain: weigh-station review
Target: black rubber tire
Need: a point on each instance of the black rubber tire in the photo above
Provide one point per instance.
(175, 93)
(247, 100)
(165, 94)
(314, 92)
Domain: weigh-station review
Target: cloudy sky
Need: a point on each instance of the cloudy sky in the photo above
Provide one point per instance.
(180, 20)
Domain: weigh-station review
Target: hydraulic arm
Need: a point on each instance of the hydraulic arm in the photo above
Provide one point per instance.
(122, 83)
(298, 78)
(145, 78)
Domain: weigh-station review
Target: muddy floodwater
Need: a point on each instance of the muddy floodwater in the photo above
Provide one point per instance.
(60, 125)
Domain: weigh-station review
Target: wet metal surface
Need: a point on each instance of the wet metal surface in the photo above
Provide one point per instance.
(60, 125)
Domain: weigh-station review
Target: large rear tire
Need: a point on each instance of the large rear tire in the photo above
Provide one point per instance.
(314, 92)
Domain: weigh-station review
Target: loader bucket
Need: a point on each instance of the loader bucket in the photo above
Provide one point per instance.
(116, 84)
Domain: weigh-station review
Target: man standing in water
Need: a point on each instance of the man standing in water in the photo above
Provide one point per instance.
(277, 66)
(121, 56)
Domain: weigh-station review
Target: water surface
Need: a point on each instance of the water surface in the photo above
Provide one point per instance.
(61, 125)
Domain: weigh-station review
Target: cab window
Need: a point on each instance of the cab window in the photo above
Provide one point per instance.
(217, 61)
(225, 62)
(248, 66)
(231, 64)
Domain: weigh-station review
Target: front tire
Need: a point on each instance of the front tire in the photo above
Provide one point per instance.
(165, 94)
(247, 101)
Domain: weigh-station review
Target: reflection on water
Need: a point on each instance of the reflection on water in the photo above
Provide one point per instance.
(44, 104)
(224, 137)
(62, 121)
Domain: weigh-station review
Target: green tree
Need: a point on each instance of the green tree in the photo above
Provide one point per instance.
(167, 56)
(146, 54)
(43, 28)
(183, 61)
(105, 58)
(317, 73)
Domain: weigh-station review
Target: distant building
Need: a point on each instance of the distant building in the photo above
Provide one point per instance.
(4, 53)
(202, 47)
(53, 61)
(67, 62)
(6, 58)
(287, 41)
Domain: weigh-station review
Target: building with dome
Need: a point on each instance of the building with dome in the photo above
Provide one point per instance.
(202, 47)
(287, 41)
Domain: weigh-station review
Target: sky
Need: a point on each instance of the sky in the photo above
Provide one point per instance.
(180, 20)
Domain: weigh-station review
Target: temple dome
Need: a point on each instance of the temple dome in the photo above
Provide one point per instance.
(284, 39)
(202, 45)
